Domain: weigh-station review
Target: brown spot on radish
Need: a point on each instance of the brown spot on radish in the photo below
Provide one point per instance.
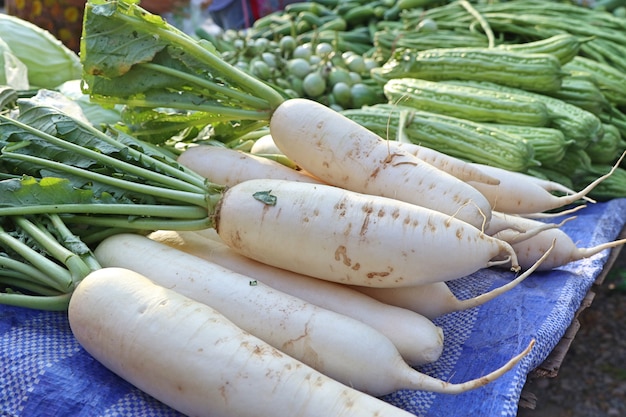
(356, 267)
(381, 213)
(341, 254)
(374, 173)
(372, 275)
(395, 214)
(368, 209)
(235, 240)
(459, 233)
(222, 390)
(341, 208)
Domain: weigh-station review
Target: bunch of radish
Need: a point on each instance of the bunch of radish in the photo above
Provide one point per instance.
(351, 230)
(361, 217)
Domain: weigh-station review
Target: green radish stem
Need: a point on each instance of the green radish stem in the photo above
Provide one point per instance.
(40, 269)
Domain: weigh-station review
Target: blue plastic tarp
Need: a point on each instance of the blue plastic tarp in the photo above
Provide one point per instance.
(45, 372)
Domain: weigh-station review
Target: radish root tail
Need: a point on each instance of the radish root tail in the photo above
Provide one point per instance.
(444, 387)
(490, 295)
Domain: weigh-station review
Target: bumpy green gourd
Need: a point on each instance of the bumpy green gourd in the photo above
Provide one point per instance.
(466, 102)
(610, 80)
(533, 72)
(581, 90)
(564, 46)
(548, 143)
(608, 148)
(577, 124)
(456, 137)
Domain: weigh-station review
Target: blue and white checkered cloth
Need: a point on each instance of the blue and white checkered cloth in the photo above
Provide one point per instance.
(44, 371)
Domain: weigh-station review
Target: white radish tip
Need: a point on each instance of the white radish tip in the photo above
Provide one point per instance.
(528, 348)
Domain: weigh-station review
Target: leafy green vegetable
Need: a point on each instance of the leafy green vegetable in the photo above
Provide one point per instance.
(132, 57)
(94, 112)
(30, 43)
(41, 262)
(57, 164)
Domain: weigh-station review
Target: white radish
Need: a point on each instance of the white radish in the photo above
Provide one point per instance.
(501, 221)
(519, 193)
(144, 335)
(190, 357)
(417, 339)
(429, 300)
(436, 299)
(565, 249)
(462, 170)
(322, 339)
(333, 234)
(229, 167)
(453, 166)
(265, 145)
(343, 153)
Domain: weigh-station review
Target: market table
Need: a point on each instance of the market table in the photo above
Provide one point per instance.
(44, 372)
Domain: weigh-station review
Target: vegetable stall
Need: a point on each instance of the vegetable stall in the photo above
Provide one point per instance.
(441, 185)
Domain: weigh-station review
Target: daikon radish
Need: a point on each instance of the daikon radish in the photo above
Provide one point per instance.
(334, 344)
(265, 145)
(229, 167)
(565, 250)
(519, 193)
(414, 336)
(351, 238)
(343, 153)
(430, 300)
(436, 299)
(502, 221)
(453, 166)
(190, 357)
(133, 326)
(318, 337)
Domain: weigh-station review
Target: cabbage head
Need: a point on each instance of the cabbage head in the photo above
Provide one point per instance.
(50, 63)
(13, 72)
